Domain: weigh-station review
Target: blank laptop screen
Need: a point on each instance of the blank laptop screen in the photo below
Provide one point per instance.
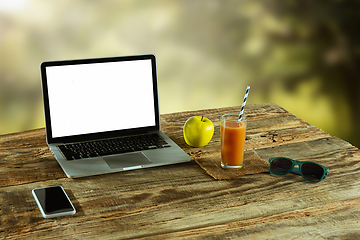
(100, 97)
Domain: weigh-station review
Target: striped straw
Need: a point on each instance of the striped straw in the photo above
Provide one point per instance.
(243, 104)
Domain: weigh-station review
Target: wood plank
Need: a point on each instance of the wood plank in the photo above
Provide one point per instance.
(309, 223)
(25, 157)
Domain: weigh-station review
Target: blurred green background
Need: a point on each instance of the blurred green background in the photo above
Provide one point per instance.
(301, 55)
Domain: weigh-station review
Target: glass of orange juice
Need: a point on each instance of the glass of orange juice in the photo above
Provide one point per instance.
(232, 134)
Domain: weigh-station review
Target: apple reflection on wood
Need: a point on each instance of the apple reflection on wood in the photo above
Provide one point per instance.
(198, 131)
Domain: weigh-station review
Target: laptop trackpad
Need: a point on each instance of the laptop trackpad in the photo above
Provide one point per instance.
(127, 160)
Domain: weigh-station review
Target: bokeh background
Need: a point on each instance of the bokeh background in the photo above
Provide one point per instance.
(302, 55)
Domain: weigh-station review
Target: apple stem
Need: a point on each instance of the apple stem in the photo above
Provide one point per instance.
(202, 118)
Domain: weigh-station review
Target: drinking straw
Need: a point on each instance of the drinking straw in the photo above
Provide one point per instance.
(243, 104)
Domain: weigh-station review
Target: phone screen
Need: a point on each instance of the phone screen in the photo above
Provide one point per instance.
(53, 201)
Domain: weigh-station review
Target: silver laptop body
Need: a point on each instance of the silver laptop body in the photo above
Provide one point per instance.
(92, 100)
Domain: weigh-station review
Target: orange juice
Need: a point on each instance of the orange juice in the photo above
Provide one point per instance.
(232, 134)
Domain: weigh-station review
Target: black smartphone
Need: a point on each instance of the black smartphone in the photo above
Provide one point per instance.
(53, 202)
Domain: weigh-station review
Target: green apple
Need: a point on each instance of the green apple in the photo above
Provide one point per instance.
(198, 131)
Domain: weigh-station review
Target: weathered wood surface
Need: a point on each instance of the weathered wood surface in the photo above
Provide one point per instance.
(182, 201)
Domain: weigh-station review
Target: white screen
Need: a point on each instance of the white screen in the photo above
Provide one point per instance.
(98, 97)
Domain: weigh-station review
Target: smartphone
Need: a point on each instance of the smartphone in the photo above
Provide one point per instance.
(53, 202)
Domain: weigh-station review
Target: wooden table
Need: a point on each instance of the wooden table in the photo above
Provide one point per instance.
(182, 201)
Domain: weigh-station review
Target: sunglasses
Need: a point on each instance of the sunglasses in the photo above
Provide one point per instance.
(310, 171)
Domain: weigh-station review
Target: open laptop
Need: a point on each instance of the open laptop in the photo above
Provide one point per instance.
(102, 115)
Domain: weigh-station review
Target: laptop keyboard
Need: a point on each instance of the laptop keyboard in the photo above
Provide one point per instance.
(112, 146)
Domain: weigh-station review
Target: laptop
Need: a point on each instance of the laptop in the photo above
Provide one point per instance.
(102, 115)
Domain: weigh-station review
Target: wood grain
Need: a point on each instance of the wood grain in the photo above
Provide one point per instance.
(181, 201)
